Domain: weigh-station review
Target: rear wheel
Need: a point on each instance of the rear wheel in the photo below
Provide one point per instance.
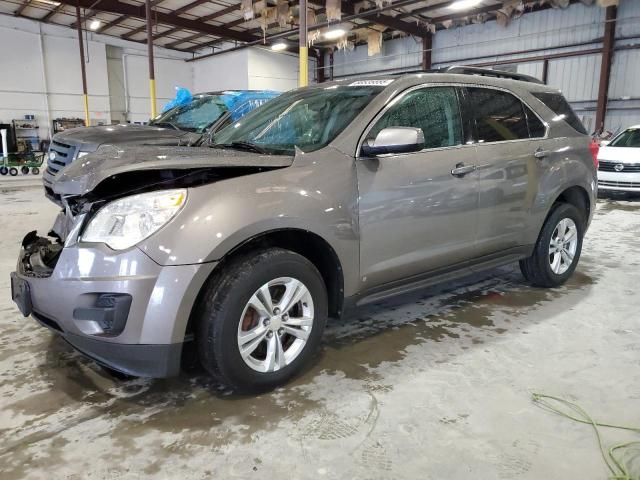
(13, 171)
(261, 320)
(25, 170)
(558, 249)
(35, 171)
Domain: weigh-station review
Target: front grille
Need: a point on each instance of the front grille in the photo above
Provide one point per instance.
(608, 183)
(64, 156)
(611, 167)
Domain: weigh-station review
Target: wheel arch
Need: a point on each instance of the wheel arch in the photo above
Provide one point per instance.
(577, 196)
(303, 242)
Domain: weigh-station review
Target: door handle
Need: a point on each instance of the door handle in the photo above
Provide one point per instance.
(540, 154)
(461, 170)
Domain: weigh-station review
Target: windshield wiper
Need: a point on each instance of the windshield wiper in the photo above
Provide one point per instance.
(247, 146)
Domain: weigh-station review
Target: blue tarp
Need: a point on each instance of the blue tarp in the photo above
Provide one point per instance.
(241, 102)
(183, 97)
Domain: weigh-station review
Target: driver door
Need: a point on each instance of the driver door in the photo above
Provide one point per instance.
(416, 214)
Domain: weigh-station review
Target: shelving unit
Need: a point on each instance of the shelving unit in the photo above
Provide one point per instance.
(27, 135)
(62, 124)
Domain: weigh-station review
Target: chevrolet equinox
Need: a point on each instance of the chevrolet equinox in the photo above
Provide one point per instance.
(324, 199)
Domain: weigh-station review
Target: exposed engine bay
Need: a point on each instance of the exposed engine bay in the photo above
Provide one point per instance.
(40, 255)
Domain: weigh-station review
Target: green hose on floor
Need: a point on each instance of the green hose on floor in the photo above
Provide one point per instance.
(575, 412)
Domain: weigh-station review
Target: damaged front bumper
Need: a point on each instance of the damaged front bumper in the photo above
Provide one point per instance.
(121, 309)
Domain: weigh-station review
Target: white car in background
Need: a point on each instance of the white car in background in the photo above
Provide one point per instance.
(619, 162)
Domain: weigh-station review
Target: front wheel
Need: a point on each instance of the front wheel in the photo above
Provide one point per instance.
(558, 249)
(261, 320)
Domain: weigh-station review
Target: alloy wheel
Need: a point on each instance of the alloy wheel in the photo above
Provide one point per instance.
(275, 324)
(563, 246)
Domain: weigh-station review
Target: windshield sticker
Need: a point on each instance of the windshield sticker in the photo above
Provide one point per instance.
(371, 83)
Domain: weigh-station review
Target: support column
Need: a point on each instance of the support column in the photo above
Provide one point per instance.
(320, 66)
(331, 65)
(304, 45)
(152, 73)
(427, 46)
(545, 71)
(605, 67)
(83, 69)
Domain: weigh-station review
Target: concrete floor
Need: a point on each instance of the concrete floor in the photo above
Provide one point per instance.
(434, 386)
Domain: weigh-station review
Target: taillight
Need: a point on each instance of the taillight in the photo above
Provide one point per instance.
(595, 148)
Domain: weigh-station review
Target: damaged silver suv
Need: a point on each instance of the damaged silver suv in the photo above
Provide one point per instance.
(323, 199)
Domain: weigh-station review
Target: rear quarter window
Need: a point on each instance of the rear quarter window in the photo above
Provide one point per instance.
(558, 105)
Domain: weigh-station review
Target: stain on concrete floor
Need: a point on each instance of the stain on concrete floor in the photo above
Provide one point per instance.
(431, 385)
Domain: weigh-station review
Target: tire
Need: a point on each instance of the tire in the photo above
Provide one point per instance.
(35, 171)
(24, 170)
(540, 268)
(224, 312)
(4, 171)
(13, 171)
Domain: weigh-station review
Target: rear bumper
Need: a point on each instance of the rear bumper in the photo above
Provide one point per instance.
(142, 336)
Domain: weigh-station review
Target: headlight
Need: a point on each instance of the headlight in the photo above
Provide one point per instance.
(83, 154)
(124, 223)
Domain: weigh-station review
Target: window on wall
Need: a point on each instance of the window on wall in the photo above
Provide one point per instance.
(434, 110)
(499, 115)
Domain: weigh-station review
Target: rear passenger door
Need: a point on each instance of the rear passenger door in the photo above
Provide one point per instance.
(509, 137)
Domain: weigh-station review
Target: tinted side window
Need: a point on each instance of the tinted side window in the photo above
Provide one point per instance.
(499, 115)
(557, 104)
(434, 110)
(536, 127)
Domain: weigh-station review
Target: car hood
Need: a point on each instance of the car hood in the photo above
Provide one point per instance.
(121, 134)
(109, 161)
(619, 154)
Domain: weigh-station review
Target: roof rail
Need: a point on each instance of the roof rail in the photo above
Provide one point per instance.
(487, 72)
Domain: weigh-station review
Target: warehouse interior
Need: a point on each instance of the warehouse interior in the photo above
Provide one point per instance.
(481, 375)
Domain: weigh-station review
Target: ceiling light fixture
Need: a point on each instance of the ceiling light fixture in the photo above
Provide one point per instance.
(49, 2)
(464, 4)
(335, 34)
(278, 47)
(95, 24)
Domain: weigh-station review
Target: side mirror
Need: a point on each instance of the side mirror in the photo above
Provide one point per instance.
(394, 140)
(604, 143)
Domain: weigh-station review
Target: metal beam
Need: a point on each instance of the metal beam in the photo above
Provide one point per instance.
(320, 73)
(21, 8)
(219, 13)
(608, 44)
(112, 23)
(427, 47)
(388, 21)
(51, 13)
(295, 31)
(180, 11)
(138, 11)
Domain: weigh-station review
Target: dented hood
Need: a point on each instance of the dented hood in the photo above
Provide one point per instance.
(83, 175)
